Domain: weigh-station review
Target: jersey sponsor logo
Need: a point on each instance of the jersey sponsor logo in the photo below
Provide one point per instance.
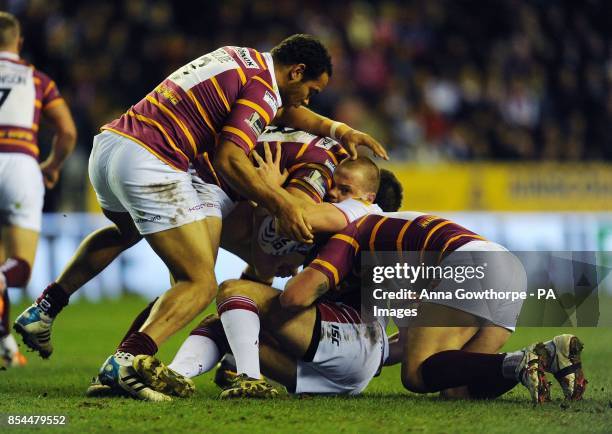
(330, 165)
(316, 181)
(245, 58)
(271, 101)
(326, 143)
(256, 123)
(221, 56)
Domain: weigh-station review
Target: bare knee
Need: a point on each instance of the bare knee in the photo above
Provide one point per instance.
(233, 287)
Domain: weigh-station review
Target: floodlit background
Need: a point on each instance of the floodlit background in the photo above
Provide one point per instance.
(496, 113)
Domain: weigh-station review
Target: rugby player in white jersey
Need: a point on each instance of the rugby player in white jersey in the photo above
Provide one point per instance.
(26, 94)
(215, 107)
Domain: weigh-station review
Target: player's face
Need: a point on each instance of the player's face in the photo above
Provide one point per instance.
(298, 92)
(347, 185)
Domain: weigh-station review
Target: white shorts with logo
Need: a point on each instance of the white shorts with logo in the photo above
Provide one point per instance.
(128, 178)
(22, 191)
(504, 272)
(349, 353)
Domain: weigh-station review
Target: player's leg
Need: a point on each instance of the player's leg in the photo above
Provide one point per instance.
(19, 249)
(489, 340)
(94, 254)
(434, 361)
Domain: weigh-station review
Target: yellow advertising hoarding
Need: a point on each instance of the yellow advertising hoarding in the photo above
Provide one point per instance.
(506, 186)
(497, 187)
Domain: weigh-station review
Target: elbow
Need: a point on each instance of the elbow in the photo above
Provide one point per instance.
(68, 135)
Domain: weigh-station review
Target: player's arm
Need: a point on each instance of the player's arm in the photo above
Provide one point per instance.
(304, 289)
(63, 143)
(304, 119)
(239, 172)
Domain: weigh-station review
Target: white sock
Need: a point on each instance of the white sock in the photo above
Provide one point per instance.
(10, 344)
(242, 331)
(197, 355)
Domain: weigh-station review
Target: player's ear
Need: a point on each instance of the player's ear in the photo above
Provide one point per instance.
(296, 73)
(371, 197)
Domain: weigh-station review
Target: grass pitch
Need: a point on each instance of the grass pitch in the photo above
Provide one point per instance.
(86, 334)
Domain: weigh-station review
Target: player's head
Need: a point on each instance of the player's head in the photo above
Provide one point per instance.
(390, 193)
(355, 179)
(10, 32)
(302, 67)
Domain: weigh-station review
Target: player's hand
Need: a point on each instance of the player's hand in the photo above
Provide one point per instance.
(354, 138)
(269, 169)
(50, 173)
(292, 222)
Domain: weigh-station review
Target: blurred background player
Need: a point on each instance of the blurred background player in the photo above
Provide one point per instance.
(25, 94)
(215, 106)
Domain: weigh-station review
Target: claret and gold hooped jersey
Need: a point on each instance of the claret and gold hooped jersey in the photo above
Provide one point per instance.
(25, 93)
(401, 231)
(310, 161)
(228, 94)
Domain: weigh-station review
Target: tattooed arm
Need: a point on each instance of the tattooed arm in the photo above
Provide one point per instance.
(304, 289)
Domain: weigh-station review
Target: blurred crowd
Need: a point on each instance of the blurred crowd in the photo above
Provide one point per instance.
(432, 79)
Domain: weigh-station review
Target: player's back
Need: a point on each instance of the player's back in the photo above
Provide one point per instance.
(228, 94)
(24, 93)
(309, 159)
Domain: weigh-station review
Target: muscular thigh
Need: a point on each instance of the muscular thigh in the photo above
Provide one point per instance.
(17, 242)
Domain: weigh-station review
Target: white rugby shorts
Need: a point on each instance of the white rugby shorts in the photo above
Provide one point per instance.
(504, 273)
(128, 178)
(22, 191)
(348, 355)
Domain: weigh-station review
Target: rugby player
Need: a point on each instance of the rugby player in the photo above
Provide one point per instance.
(215, 107)
(25, 94)
(324, 348)
(460, 351)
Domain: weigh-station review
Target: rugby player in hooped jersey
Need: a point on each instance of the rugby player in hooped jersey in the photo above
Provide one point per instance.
(316, 319)
(25, 96)
(215, 107)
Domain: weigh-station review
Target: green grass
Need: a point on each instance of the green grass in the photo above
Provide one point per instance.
(86, 333)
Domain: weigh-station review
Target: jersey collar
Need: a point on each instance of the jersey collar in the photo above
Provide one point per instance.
(270, 63)
(9, 55)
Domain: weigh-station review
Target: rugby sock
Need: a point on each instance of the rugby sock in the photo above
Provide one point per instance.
(9, 344)
(139, 321)
(5, 327)
(53, 299)
(240, 318)
(455, 368)
(138, 343)
(201, 351)
(16, 272)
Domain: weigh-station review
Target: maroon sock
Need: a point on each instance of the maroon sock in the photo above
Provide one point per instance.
(5, 327)
(16, 272)
(213, 330)
(139, 321)
(455, 368)
(138, 343)
(53, 299)
(487, 390)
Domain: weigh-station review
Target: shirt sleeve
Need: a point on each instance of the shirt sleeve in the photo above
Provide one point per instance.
(335, 260)
(50, 93)
(312, 173)
(354, 209)
(251, 113)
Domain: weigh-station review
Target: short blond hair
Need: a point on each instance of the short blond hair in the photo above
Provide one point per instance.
(9, 29)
